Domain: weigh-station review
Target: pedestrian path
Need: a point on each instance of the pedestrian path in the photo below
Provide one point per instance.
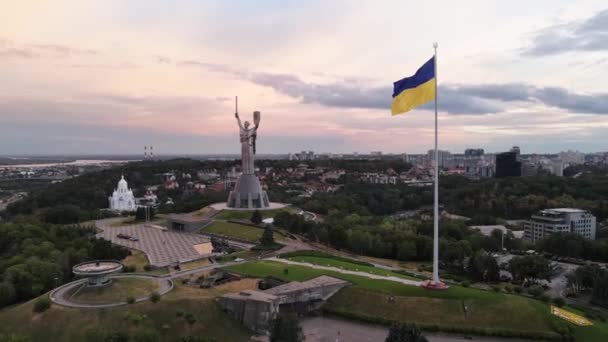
(340, 270)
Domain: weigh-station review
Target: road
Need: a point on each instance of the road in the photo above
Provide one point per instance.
(58, 295)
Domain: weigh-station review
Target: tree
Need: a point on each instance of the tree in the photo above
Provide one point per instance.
(582, 278)
(256, 217)
(483, 267)
(155, 297)
(42, 304)
(7, 293)
(286, 328)
(599, 295)
(530, 267)
(140, 213)
(267, 238)
(405, 332)
(63, 214)
(190, 319)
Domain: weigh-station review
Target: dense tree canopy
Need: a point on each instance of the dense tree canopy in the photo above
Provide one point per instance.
(36, 257)
(483, 200)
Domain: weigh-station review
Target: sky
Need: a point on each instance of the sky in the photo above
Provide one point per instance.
(113, 76)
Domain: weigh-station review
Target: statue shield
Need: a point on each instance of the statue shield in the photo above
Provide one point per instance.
(256, 118)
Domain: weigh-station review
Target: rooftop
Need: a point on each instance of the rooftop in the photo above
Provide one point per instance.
(565, 210)
(252, 295)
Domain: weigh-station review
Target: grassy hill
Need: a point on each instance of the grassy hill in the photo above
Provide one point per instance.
(160, 319)
(381, 301)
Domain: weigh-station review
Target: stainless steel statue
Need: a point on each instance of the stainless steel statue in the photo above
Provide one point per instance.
(248, 137)
(248, 192)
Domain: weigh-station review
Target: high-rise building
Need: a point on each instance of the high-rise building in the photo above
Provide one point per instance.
(529, 169)
(561, 220)
(444, 157)
(473, 152)
(517, 150)
(507, 165)
(572, 157)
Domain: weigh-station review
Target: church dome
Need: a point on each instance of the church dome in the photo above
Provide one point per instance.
(122, 184)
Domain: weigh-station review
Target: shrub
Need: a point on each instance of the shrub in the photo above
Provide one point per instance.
(179, 313)
(286, 271)
(535, 290)
(559, 301)
(465, 283)
(518, 289)
(129, 269)
(544, 298)
(147, 267)
(130, 300)
(496, 288)
(42, 304)
(509, 288)
(155, 297)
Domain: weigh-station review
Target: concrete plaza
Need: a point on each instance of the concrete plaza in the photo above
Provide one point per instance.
(162, 247)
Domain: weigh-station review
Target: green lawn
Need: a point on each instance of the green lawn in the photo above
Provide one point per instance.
(348, 266)
(503, 313)
(138, 259)
(118, 291)
(245, 214)
(237, 231)
(369, 299)
(295, 272)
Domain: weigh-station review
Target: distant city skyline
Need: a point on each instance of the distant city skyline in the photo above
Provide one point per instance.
(110, 77)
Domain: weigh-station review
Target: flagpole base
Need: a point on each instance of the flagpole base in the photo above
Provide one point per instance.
(431, 285)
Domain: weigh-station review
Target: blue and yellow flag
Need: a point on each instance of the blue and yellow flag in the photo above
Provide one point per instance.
(413, 91)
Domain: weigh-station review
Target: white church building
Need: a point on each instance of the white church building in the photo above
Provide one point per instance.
(122, 198)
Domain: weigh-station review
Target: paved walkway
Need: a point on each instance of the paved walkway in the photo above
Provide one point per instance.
(340, 270)
(58, 295)
(162, 247)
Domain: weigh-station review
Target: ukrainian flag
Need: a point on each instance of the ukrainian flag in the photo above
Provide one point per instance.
(416, 90)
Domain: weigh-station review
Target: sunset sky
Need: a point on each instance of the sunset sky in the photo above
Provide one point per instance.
(112, 76)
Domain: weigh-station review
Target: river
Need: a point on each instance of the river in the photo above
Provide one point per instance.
(78, 162)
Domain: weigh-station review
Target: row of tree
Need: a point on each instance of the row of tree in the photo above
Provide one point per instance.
(388, 238)
(512, 198)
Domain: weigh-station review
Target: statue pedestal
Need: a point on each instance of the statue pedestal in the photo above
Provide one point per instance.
(248, 194)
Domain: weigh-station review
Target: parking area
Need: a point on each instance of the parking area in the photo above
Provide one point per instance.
(162, 247)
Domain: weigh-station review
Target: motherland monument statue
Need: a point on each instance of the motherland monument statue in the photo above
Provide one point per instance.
(248, 193)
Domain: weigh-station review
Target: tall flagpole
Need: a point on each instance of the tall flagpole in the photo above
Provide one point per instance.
(436, 213)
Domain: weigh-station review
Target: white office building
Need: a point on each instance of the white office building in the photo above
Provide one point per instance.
(561, 220)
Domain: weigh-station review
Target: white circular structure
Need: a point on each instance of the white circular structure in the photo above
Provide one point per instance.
(97, 271)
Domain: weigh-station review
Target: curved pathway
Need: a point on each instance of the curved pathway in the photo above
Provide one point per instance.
(58, 295)
(339, 270)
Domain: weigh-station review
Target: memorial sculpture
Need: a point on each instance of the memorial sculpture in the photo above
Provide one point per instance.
(248, 193)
